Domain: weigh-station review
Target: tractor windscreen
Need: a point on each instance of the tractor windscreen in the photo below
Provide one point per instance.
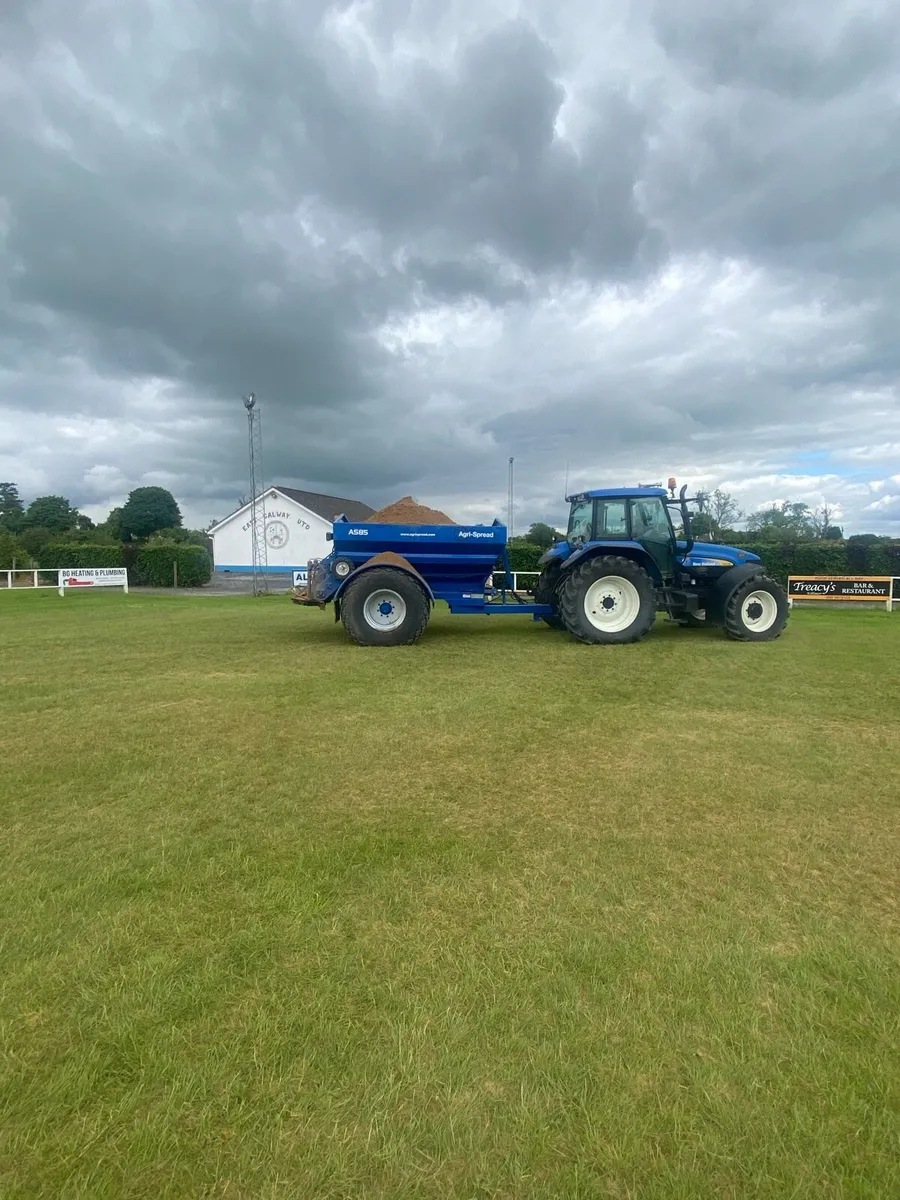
(581, 518)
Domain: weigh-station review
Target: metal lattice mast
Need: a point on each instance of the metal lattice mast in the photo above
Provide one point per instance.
(258, 550)
(510, 502)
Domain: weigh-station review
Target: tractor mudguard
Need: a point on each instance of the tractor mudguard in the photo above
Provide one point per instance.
(723, 587)
(633, 550)
(388, 559)
(627, 549)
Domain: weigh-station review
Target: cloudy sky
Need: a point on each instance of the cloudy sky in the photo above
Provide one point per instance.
(647, 238)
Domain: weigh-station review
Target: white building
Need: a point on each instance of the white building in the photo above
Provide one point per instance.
(296, 525)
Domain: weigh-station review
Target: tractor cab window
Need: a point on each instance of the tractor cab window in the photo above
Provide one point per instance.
(580, 519)
(650, 521)
(612, 521)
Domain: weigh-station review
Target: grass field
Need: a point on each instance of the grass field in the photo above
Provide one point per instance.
(497, 915)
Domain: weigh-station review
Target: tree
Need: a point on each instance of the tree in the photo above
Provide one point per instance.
(12, 510)
(147, 510)
(113, 524)
(83, 523)
(701, 525)
(723, 510)
(823, 523)
(50, 512)
(790, 521)
(541, 535)
(35, 537)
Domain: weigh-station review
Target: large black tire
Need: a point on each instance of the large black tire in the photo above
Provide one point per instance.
(607, 591)
(385, 607)
(545, 593)
(757, 610)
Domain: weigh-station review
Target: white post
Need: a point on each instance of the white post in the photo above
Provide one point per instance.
(9, 579)
(59, 582)
(35, 579)
(126, 582)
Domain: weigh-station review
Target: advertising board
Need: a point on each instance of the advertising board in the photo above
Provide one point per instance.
(93, 577)
(841, 587)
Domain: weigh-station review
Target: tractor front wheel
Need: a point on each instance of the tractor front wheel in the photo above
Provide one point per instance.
(757, 610)
(607, 600)
(385, 607)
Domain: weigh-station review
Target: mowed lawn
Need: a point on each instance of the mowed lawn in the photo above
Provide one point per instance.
(497, 915)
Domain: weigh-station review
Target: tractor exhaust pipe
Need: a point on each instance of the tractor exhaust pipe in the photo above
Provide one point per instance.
(686, 519)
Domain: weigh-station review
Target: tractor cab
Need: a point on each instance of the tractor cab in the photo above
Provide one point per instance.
(637, 520)
(649, 522)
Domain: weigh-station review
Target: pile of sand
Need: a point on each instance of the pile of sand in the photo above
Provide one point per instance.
(407, 512)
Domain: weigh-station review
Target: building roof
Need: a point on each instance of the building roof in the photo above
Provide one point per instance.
(328, 507)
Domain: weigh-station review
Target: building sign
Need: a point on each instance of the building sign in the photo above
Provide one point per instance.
(839, 587)
(93, 577)
(300, 578)
(278, 517)
(277, 534)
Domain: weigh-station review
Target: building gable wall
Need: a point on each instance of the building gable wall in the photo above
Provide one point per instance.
(294, 535)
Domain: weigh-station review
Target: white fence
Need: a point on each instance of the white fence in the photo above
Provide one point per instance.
(31, 580)
(498, 579)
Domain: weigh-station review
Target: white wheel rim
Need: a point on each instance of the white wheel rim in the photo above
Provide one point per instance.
(612, 604)
(759, 611)
(384, 609)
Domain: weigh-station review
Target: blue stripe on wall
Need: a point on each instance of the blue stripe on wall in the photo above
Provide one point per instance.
(248, 569)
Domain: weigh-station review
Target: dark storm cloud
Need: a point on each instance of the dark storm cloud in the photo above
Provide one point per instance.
(395, 226)
(794, 50)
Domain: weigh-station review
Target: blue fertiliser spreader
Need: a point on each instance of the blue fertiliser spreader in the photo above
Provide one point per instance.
(620, 563)
(454, 563)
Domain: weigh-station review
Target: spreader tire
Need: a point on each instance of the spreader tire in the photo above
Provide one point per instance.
(385, 607)
(546, 593)
(607, 600)
(757, 610)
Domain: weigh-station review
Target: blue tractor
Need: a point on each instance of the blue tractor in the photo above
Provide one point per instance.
(620, 564)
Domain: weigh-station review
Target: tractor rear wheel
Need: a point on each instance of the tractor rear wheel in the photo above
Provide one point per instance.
(607, 600)
(546, 593)
(757, 610)
(385, 607)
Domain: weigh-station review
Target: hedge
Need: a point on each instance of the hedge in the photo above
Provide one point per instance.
(156, 561)
(826, 558)
(59, 555)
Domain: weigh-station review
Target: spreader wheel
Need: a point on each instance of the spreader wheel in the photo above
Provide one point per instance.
(385, 607)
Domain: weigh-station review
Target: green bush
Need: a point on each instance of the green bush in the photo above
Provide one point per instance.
(12, 551)
(59, 555)
(156, 562)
